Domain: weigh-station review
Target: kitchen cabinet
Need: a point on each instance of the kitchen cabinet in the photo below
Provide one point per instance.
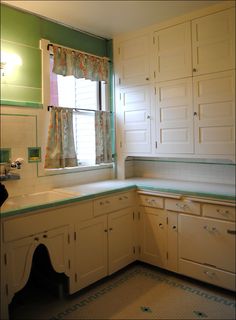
(174, 117)
(105, 243)
(207, 250)
(172, 52)
(133, 56)
(214, 113)
(19, 255)
(213, 42)
(136, 119)
(159, 233)
(192, 78)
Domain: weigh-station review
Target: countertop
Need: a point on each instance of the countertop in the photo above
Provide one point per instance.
(76, 193)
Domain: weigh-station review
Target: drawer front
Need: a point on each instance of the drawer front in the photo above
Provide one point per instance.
(149, 201)
(183, 206)
(218, 212)
(214, 276)
(109, 204)
(207, 241)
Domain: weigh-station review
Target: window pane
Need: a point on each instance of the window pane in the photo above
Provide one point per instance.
(86, 94)
(84, 132)
(66, 91)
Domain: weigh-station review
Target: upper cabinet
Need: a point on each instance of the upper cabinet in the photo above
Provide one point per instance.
(172, 52)
(134, 61)
(213, 42)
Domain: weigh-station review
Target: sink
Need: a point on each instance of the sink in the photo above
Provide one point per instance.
(32, 199)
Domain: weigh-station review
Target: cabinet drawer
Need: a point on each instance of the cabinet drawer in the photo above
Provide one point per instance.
(149, 201)
(183, 206)
(113, 203)
(218, 211)
(211, 275)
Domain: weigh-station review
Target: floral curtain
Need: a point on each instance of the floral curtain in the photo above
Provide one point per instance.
(60, 151)
(80, 65)
(103, 137)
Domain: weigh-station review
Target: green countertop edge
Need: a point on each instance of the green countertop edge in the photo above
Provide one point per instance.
(26, 104)
(75, 199)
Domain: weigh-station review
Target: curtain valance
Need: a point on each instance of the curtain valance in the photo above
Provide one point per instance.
(68, 62)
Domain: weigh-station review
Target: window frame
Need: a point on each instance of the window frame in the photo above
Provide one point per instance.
(44, 118)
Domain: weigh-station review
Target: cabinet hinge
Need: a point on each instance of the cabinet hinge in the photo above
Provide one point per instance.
(68, 238)
(167, 220)
(6, 289)
(156, 144)
(119, 81)
(118, 50)
(155, 90)
(139, 249)
(75, 236)
(5, 259)
(76, 279)
(154, 74)
(69, 264)
(133, 249)
(167, 255)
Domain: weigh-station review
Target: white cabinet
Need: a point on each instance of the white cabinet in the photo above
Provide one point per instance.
(174, 117)
(104, 243)
(207, 245)
(136, 123)
(19, 254)
(213, 42)
(134, 60)
(90, 251)
(172, 52)
(158, 233)
(214, 109)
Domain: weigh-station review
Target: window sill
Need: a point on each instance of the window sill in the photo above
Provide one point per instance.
(50, 172)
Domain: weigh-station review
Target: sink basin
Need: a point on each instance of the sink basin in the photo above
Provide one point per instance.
(33, 199)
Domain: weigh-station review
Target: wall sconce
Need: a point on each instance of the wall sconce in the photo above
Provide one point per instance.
(8, 62)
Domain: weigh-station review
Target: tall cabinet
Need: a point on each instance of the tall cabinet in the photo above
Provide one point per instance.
(175, 90)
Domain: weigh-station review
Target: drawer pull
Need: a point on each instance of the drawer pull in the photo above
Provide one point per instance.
(105, 230)
(231, 231)
(212, 229)
(174, 227)
(45, 236)
(181, 206)
(209, 274)
(161, 225)
(224, 213)
(36, 239)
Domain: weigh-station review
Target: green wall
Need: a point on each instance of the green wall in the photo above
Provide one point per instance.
(20, 34)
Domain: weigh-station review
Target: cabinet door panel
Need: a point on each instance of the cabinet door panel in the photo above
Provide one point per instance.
(136, 106)
(174, 117)
(173, 52)
(134, 61)
(91, 251)
(214, 42)
(154, 238)
(120, 239)
(207, 241)
(214, 106)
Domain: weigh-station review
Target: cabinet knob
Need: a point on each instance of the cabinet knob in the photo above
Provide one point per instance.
(105, 230)
(174, 227)
(36, 239)
(45, 236)
(161, 225)
(195, 113)
(147, 78)
(194, 70)
(148, 117)
(110, 229)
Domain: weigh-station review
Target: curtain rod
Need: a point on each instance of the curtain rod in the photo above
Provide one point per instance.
(74, 50)
(77, 109)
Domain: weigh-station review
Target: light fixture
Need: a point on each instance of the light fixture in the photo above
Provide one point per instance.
(8, 62)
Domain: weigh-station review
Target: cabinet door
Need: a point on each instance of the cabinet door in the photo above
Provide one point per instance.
(173, 52)
(174, 117)
(154, 237)
(207, 241)
(213, 42)
(214, 108)
(91, 251)
(133, 56)
(136, 107)
(121, 239)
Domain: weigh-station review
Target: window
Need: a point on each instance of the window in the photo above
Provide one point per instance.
(84, 94)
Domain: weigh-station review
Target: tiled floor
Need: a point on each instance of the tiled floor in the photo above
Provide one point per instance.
(139, 291)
